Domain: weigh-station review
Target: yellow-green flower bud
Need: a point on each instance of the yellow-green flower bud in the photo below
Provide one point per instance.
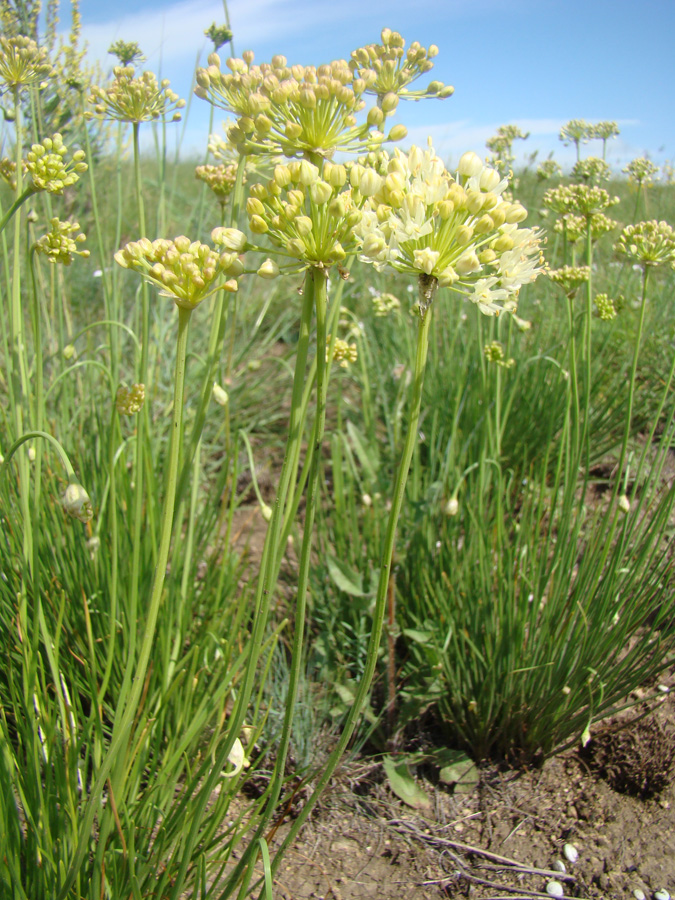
(474, 202)
(498, 216)
(503, 244)
(487, 256)
(303, 225)
(77, 503)
(470, 164)
(229, 239)
(269, 269)
(282, 175)
(398, 133)
(258, 225)
(516, 213)
(484, 225)
(464, 235)
(335, 175)
(307, 172)
(389, 103)
(467, 263)
(220, 395)
(489, 179)
(369, 183)
(375, 116)
(447, 277)
(296, 247)
(254, 207)
(320, 193)
(373, 245)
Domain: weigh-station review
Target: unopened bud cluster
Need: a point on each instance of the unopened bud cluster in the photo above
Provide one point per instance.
(130, 400)
(582, 199)
(591, 170)
(575, 228)
(48, 167)
(570, 278)
(648, 244)
(641, 171)
(62, 242)
(22, 62)
(8, 171)
(494, 353)
(456, 231)
(187, 271)
(310, 214)
(394, 68)
(548, 169)
(220, 179)
(605, 307)
(127, 52)
(284, 109)
(129, 99)
(344, 353)
(385, 304)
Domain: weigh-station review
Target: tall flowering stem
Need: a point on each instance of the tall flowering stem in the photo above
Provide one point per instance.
(427, 290)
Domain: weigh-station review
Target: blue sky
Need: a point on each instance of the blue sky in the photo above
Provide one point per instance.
(534, 63)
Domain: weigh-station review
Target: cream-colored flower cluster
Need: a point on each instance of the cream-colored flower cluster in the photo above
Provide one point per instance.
(501, 145)
(576, 131)
(457, 231)
(8, 171)
(62, 242)
(220, 179)
(130, 400)
(309, 214)
(48, 167)
(127, 52)
(591, 170)
(582, 199)
(548, 169)
(648, 244)
(570, 278)
(187, 271)
(288, 110)
(22, 62)
(129, 99)
(395, 68)
(344, 353)
(576, 227)
(385, 304)
(605, 307)
(77, 502)
(495, 353)
(641, 171)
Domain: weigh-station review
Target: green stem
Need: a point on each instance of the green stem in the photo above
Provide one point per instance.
(383, 583)
(263, 598)
(121, 736)
(320, 300)
(18, 203)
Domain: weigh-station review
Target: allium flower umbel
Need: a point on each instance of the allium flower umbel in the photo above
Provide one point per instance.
(641, 171)
(310, 215)
(220, 179)
(287, 110)
(395, 68)
(582, 199)
(62, 242)
(48, 167)
(129, 99)
(648, 244)
(187, 271)
(22, 62)
(456, 231)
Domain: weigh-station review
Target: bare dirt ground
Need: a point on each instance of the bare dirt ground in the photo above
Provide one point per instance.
(615, 804)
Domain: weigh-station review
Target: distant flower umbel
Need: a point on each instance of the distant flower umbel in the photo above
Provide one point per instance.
(648, 244)
(129, 99)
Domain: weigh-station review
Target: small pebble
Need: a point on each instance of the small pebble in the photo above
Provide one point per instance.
(661, 895)
(638, 894)
(570, 853)
(554, 889)
(559, 866)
